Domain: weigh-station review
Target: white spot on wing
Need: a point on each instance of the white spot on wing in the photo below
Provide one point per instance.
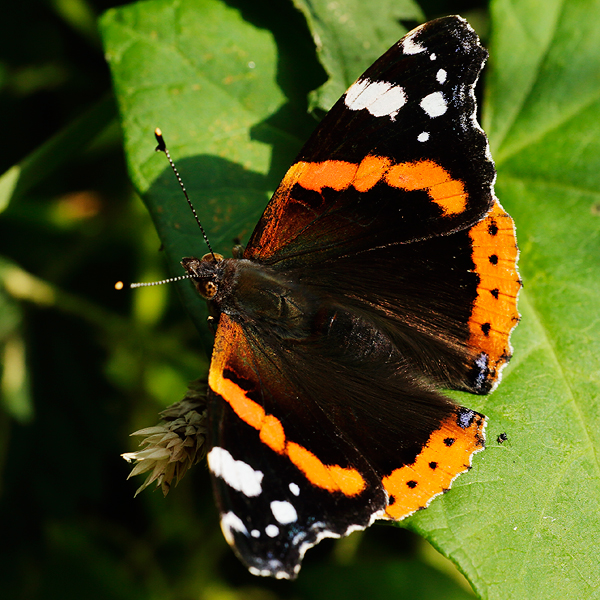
(274, 568)
(299, 537)
(272, 530)
(352, 529)
(363, 93)
(433, 56)
(236, 473)
(409, 46)
(441, 76)
(284, 512)
(389, 103)
(434, 104)
(354, 91)
(295, 489)
(230, 522)
(255, 533)
(380, 98)
(423, 137)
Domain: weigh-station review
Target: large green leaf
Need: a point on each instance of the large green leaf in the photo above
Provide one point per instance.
(525, 523)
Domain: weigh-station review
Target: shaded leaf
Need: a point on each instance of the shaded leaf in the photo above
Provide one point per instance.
(380, 580)
(56, 151)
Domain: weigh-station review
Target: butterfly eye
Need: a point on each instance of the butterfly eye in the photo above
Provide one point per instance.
(209, 289)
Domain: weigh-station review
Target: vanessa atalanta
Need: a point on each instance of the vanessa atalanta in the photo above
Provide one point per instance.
(382, 269)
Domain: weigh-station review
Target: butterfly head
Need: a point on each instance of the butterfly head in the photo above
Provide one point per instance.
(205, 272)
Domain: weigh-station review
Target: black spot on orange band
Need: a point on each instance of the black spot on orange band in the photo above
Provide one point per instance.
(414, 486)
(494, 312)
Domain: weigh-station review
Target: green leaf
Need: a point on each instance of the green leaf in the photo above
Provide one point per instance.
(350, 35)
(15, 388)
(524, 523)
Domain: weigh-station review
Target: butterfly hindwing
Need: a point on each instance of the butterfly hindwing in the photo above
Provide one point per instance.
(494, 310)
(283, 477)
(300, 450)
(449, 302)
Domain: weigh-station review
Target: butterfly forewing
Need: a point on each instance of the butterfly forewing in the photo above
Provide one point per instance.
(399, 158)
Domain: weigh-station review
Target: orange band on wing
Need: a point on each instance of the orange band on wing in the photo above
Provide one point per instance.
(371, 170)
(272, 434)
(333, 478)
(495, 312)
(329, 477)
(446, 455)
(335, 174)
(449, 194)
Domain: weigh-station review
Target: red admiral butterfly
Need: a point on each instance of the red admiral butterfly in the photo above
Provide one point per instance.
(382, 269)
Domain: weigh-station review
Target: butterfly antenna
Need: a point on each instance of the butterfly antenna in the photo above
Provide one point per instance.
(119, 285)
(162, 147)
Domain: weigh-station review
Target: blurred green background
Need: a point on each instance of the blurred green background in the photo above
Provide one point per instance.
(84, 365)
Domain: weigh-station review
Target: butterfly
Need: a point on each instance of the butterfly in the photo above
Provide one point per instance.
(382, 269)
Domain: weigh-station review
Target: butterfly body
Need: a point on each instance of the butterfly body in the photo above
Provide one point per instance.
(253, 293)
(382, 269)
